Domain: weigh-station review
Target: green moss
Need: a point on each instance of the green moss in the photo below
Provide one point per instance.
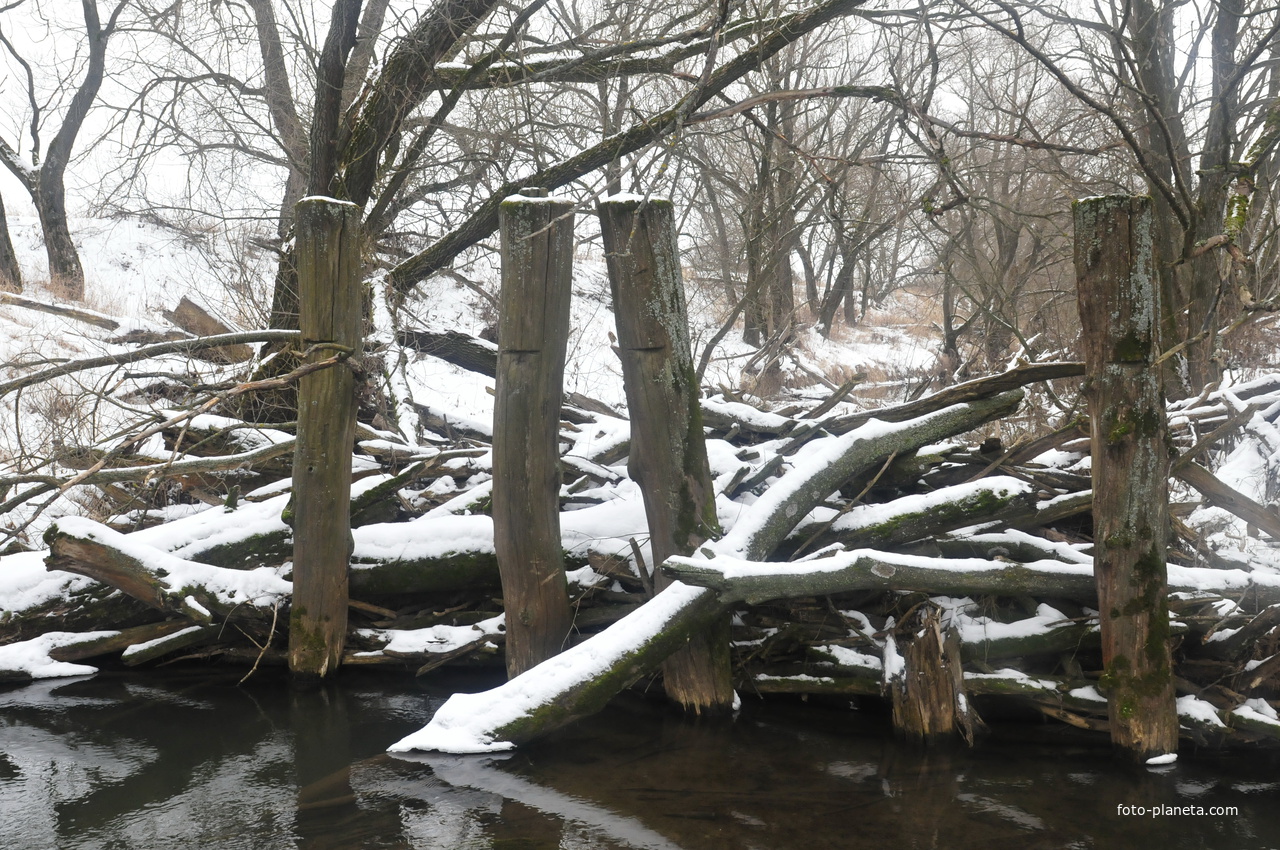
(1133, 347)
(1118, 431)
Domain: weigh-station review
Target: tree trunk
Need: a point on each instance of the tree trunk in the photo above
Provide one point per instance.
(1119, 299)
(668, 451)
(10, 271)
(533, 332)
(66, 275)
(329, 286)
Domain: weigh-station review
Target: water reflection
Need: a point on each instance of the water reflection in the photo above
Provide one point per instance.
(143, 762)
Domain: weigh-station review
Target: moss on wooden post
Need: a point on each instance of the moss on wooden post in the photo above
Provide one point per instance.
(533, 332)
(668, 451)
(1119, 298)
(328, 257)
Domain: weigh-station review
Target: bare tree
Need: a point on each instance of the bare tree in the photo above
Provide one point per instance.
(43, 172)
(1185, 86)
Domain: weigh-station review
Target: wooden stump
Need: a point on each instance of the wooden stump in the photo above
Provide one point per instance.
(668, 451)
(925, 679)
(328, 253)
(1119, 308)
(533, 332)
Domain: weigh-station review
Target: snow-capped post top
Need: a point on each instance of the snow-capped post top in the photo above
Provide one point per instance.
(535, 195)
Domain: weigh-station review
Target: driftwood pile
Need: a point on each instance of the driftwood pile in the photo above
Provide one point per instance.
(966, 558)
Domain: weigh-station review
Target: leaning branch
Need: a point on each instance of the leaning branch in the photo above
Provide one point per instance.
(484, 220)
(182, 346)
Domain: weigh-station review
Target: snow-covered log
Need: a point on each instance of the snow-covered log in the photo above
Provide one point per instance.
(162, 581)
(1228, 498)
(582, 680)
(754, 582)
(925, 515)
(823, 465)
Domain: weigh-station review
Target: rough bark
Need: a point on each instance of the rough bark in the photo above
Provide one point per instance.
(787, 502)
(329, 285)
(10, 271)
(927, 691)
(754, 582)
(668, 451)
(537, 270)
(462, 350)
(117, 642)
(408, 76)
(1119, 302)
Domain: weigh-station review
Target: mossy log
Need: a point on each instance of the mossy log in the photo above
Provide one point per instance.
(1119, 300)
(183, 637)
(866, 569)
(93, 608)
(668, 449)
(821, 468)
(151, 576)
(926, 516)
(754, 582)
(118, 641)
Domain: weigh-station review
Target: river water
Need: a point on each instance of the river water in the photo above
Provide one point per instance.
(191, 761)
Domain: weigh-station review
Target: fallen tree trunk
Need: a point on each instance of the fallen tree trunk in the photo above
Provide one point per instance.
(162, 581)
(969, 391)
(739, 580)
(581, 680)
(753, 582)
(1230, 499)
(821, 467)
(912, 518)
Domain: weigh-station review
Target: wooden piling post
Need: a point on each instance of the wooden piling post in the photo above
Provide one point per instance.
(668, 452)
(328, 254)
(533, 332)
(1119, 300)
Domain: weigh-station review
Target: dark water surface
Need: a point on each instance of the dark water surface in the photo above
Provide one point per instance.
(190, 762)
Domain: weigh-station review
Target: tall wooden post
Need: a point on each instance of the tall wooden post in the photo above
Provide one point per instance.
(328, 256)
(668, 451)
(1119, 298)
(533, 333)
